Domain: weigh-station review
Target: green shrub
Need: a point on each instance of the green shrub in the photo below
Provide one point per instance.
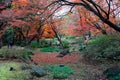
(71, 37)
(8, 36)
(14, 53)
(49, 67)
(42, 43)
(8, 53)
(112, 73)
(50, 49)
(34, 44)
(81, 47)
(104, 47)
(26, 54)
(59, 72)
(66, 44)
(20, 43)
(45, 43)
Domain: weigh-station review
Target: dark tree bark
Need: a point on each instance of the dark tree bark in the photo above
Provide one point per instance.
(99, 28)
(1, 43)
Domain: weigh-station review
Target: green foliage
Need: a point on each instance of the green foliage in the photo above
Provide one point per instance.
(34, 44)
(45, 43)
(42, 43)
(26, 54)
(50, 49)
(8, 36)
(66, 44)
(20, 43)
(59, 72)
(81, 47)
(104, 47)
(6, 74)
(71, 37)
(8, 53)
(14, 53)
(49, 67)
(113, 73)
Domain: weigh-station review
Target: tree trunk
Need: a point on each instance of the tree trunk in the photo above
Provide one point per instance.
(1, 43)
(58, 37)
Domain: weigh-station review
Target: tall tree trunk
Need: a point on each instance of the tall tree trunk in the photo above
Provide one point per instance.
(1, 43)
(58, 37)
(99, 28)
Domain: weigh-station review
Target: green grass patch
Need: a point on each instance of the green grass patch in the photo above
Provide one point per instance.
(17, 74)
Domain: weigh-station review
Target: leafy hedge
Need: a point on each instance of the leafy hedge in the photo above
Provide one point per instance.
(14, 53)
(50, 49)
(112, 73)
(43, 43)
(104, 47)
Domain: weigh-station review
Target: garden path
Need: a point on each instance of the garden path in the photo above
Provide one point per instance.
(50, 58)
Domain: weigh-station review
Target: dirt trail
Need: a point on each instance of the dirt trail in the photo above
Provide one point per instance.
(50, 58)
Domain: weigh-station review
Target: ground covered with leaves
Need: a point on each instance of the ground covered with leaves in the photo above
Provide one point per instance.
(51, 58)
(82, 69)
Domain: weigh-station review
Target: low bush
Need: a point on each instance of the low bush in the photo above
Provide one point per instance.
(25, 54)
(66, 44)
(49, 67)
(104, 47)
(20, 43)
(8, 53)
(71, 37)
(34, 44)
(45, 43)
(42, 43)
(59, 72)
(14, 53)
(50, 49)
(112, 73)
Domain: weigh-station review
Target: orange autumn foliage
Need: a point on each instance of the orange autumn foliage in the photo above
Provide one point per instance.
(47, 31)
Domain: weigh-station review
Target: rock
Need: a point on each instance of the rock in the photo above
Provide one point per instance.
(63, 53)
(37, 71)
(61, 65)
(60, 55)
(11, 69)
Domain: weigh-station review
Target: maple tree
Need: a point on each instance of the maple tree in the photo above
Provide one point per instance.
(31, 16)
(102, 9)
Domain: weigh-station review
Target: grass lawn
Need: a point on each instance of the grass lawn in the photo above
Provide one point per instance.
(16, 74)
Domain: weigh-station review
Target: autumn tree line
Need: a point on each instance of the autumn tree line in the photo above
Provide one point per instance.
(28, 20)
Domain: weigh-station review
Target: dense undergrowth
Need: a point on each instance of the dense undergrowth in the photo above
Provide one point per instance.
(103, 48)
(16, 53)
